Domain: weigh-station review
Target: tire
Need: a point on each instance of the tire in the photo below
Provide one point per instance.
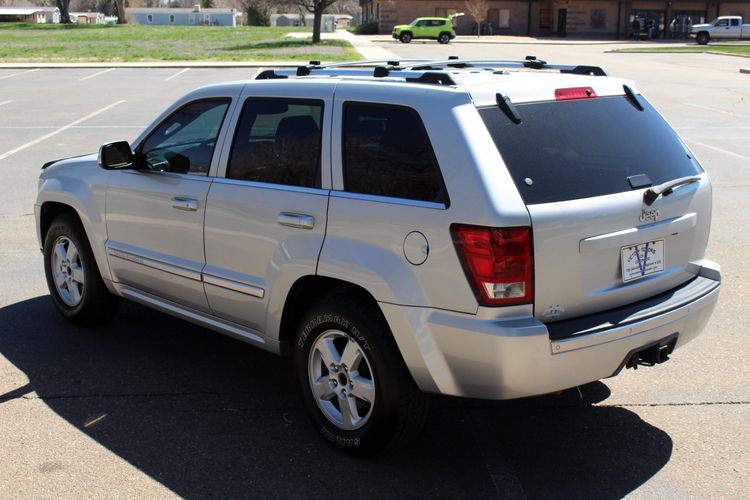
(444, 38)
(73, 277)
(702, 38)
(405, 37)
(385, 409)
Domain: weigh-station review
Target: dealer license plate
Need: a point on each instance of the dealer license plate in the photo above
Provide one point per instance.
(642, 260)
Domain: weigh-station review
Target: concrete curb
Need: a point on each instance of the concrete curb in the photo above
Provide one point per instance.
(636, 51)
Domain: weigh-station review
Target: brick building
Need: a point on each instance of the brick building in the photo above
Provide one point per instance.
(576, 18)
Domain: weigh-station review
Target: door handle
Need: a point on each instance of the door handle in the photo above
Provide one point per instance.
(301, 221)
(183, 203)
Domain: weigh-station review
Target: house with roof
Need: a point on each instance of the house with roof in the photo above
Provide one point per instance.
(197, 16)
(582, 18)
(87, 17)
(34, 15)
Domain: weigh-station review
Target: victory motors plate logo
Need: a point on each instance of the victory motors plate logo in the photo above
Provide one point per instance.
(638, 261)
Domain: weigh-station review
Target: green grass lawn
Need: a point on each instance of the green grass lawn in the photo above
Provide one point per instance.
(743, 50)
(128, 43)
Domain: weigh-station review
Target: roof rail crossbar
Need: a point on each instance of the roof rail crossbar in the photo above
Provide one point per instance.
(585, 70)
(378, 72)
(530, 62)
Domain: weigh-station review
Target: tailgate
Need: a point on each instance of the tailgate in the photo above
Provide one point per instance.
(582, 167)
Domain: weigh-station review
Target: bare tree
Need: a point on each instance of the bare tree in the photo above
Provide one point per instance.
(316, 8)
(478, 10)
(64, 5)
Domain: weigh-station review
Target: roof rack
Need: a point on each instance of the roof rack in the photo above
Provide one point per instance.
(422, 70)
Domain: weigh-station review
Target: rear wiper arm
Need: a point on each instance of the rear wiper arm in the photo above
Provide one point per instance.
(652, 193)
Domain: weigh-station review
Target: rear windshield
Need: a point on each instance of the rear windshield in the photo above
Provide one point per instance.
(565, 150)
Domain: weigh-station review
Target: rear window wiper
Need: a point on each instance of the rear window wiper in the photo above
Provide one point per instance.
(652, 193)
(632, 99)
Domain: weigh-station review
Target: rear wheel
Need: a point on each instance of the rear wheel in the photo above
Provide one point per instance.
(72, 275)
(444, 38)
(405, 37)
(702, 38)
(357, 390)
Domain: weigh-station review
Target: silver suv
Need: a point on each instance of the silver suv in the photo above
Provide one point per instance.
(486, 229)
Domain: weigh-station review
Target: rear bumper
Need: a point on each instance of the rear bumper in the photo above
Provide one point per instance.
(460, 355)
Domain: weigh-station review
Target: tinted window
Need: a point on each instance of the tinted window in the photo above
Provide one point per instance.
(735, 22)
(586, 147)
(387, 153)
(278, 141)
(184, 143)
(722, 22)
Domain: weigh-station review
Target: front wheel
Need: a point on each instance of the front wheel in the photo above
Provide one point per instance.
(72, 275)
(702, 38)
(405, 37)
(357, 390)
(444, 38)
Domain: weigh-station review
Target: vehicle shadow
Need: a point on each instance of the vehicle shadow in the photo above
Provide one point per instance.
(209, 416)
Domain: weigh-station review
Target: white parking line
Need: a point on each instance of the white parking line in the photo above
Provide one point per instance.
(47, 127)
(176, 74)
(719, 150)
(20, 73)
(61, 129)
(715, 110)
(96, 74)
(5, 102)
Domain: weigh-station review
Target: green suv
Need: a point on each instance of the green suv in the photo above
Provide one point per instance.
(434, 28)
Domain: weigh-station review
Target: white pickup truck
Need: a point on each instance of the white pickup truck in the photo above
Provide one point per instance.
(722, 28)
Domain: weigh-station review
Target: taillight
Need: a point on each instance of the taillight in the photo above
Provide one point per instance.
(574, 93)
(497, 262)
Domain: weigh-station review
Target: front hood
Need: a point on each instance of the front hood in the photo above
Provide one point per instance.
(73, 159)
(700, 26)
(400, 27)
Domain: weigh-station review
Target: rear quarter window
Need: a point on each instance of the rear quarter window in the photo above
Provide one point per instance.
(565, 150)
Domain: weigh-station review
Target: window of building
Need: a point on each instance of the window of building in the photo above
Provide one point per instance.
(545, 18)
(171, 18)
(386, 152)
(278, 141)
(184, 143)
(598, 18)
(150, 18)
(499, 18)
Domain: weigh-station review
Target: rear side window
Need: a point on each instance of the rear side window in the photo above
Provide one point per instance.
(278, 141)
(565, 150)
(387, 153)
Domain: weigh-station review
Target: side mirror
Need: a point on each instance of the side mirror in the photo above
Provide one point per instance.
(115, 155)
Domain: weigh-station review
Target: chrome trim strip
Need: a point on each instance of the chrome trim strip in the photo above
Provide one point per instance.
(155, 264)
(632, 235)
(386, 199)
(241, 333)
(190, 177)
(268, 185)
(235, 286)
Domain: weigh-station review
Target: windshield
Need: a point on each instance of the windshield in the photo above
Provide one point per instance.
(566, 150)
(414, 22)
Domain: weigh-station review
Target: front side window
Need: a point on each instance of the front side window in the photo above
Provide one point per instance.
(386, 152)
(278, 141)
(722, 22)
(184, 143)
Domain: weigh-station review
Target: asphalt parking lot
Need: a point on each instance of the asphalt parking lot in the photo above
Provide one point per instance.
(151, 406)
